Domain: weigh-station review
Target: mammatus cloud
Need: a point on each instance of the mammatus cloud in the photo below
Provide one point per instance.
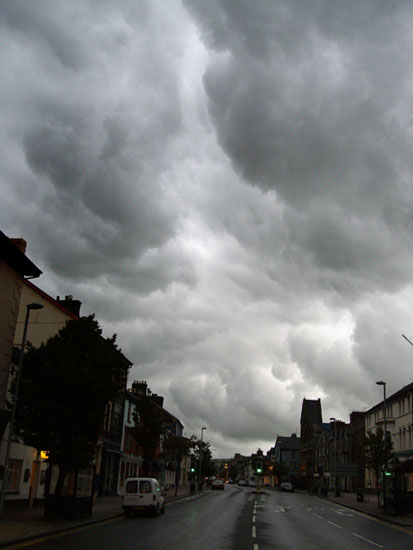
(227, 186)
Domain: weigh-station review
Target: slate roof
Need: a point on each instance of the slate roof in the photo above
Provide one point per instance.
(393, 397)
(12, 255)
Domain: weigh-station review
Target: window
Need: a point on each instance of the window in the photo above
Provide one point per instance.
(145, 487)
(15, 468)
(132, 487)
(108, 417)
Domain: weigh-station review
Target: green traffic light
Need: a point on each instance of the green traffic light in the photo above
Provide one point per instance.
(259, 470)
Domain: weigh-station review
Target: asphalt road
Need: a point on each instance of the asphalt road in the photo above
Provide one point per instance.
(238, 519)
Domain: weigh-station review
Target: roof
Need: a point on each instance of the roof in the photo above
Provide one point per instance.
(132, 396)
(286, 442)
(12, 255)
(393, 397)
(51, 300)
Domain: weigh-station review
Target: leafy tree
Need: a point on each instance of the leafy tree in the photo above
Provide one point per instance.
(175, 448)
(65, 386)
(377, 453)
(203, 449)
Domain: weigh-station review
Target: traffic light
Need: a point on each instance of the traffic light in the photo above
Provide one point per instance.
(259, 468)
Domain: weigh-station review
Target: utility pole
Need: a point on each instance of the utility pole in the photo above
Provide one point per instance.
(200, 458)
(382, 383)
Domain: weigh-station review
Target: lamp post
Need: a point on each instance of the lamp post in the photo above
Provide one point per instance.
(29, 307)
(336, 489)
(381, 383)
(200, 456)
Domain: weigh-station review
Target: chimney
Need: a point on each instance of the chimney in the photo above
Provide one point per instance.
(21, 244)
(71, 305)
(139, 387)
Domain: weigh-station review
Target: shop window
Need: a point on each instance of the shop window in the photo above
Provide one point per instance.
(15, 469)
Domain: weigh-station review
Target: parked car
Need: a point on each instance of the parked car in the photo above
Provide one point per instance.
(218, 484)
(142, 494)
(252, 483)
(286, 486)
(242, 482)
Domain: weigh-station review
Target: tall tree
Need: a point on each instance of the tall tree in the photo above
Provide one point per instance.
(175, 448)
(64, 388)
(378, 452)
(202, 449)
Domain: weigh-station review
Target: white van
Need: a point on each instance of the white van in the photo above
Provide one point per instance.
(142, 494)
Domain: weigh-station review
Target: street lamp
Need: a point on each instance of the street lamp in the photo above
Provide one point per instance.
(200, 455)
(29, 307)
(336, 489)
(381, 383)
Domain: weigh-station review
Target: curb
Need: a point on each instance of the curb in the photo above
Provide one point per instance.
(28, 538)
(370, 514)
(85, 523)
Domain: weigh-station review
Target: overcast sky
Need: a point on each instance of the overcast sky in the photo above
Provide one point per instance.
(227, 185)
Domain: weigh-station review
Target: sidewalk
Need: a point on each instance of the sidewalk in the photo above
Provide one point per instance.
(21, 524)
(369, 507)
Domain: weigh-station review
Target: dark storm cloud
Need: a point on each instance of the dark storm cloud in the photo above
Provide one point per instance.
(100, 143)
(312, 106)
(227, 185)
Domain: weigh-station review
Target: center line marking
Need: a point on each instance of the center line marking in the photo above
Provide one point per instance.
(255, 546)
(253, 519)
(318, 516)
(335, 524)
(254, 533)
(367, 540)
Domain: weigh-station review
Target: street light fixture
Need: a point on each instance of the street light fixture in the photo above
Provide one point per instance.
(381, 383)
(200, 455)
(29, 307)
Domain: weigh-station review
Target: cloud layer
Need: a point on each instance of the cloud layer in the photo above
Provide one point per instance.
(226, 184)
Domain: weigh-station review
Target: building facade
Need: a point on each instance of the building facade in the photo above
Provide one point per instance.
(14, 267)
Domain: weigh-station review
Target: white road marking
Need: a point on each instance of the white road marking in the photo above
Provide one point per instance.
(254, 533)
(344, 512)
(367, 540)
(318, 516)
(253, 518)
(255, 546)
(335, 524)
